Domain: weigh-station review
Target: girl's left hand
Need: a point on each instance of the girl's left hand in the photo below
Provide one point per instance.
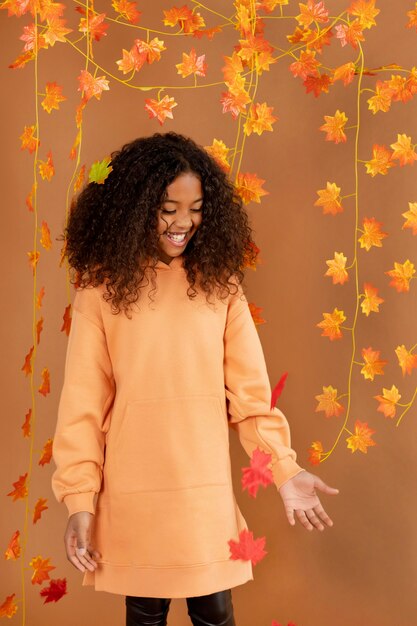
(299, 495)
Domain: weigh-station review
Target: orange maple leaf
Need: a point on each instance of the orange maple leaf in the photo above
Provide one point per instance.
(39, 297)
(235, 100)
(13, 550)
(388, 401)
(249, 187)
(56, 589)
(401, 275)
(127, 9)
(94, 24)
(39, 327)
(365, 10)
(207, 32)
(161, 109)
(22, 59)
(327, 402)
(381, 101)
(29, 35)
(373, 364)
(371, 300)
(403, 150)
(232, 68)
(219, 151)
(306, 65)
(257, 474)
(46, 454)
(73, 151)
(26, 424)
(331, 324)
(56, 30)
(28, 140)
(44, 388)
(191, 64)
(256, 313)
(351, 33)
(317, 84)
(312, 12)
(9, 607)
(381, 160)
(92, 86)
(39, 507)
(372, 234)
(20, 489)
(80, 179)
(41, 570)
(344, 72)
(337, 269)
(46, 234)
(315, 452)
(334, 126)
(330, 199)
(247, 548)
(260, 119)
(411, 217)
(33, 259)
(27, 365)
(406, 360)
(66, 326)
(46, 168)
(185, 18)
(53, 97)
(30, 196)
(361, 440)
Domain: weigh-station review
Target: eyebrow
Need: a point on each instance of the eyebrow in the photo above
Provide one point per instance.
(177, 201)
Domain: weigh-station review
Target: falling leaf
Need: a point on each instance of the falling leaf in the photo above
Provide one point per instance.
(9, 607)
(327, 402)
(401, 275)
(331, 324)
(278, 389)
(39, 507)
(330, 199)
(406, 360)
(13, 550)
(361, 440)
(41, 570)
(258, 474)
(247, 548)
(54, 592)
(373, 364)
(100, 170)
(371, 300)
(388, 401)
(20, 489)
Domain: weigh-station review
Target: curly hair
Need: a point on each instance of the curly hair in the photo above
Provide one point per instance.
(111, 235)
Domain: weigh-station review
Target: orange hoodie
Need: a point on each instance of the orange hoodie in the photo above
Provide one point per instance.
(143, 422)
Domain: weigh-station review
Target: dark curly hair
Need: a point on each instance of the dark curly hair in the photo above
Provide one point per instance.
(111, 235)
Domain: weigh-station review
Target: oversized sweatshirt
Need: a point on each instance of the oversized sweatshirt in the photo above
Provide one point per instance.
(142, 435)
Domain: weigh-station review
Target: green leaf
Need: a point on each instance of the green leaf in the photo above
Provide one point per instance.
(99, 171)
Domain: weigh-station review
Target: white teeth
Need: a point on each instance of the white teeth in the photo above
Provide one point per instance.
(176, 237)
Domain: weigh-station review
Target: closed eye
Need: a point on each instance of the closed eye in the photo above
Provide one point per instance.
(173, 211)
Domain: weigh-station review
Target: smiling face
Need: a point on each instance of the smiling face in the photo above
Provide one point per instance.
(180, 214)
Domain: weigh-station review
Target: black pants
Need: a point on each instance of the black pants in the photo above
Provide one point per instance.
(215, 609)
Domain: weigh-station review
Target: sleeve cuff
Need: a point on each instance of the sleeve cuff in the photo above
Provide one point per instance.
(76, 502)
(284, 469)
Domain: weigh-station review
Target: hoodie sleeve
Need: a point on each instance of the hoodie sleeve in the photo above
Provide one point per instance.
(84, 408)
(248, 393)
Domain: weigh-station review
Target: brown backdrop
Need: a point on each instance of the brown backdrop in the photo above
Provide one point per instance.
(363, 570)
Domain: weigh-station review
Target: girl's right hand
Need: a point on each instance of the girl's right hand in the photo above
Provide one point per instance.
(79, 550)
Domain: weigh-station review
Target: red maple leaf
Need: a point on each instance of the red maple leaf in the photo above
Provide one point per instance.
(258, 473)
(57, 588)
(276, 392)
(247, 548)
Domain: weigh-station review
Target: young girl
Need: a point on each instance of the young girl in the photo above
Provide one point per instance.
(163, 356)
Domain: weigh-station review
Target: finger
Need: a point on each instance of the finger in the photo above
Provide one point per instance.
(320, 484)
(312, 517)
(303, 519)
(85, 558)
(290, 515)
(323, 515)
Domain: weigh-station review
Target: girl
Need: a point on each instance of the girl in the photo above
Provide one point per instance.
(163, 356)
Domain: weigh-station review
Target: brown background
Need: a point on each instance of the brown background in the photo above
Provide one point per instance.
(363, 570)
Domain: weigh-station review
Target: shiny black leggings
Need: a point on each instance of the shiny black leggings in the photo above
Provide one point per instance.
(215, 609)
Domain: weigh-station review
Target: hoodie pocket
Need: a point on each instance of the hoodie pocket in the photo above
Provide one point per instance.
(172, 443)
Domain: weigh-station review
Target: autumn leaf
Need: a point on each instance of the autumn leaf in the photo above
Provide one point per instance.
(54, 592)
(331, 324)
(306, 65)
(235, 101)
(315, 452)
(29, 141)
(94, 24)
(255, 311)
(39, 507)
(365, 10)
(92, 86)
(191, 64)
(13, 550)
(406, 360)
(260, 118)
(381, 101)
(330, 199)
(312, 12)
(350, 34)
(20, 489)
(413, 18)
(127, 9)
(39, 297)
(219, 151)
(371, 300)
(53, 97)
(132, 60)
(327, 402)
(278, 389)
(27, 365)
(41, 570)
(66, 326)
(188, 20)
(252, 262)
(207, 32)
(26, 424)
(46, 168)
(258, 474)
(411, 217)
(249, 187)
(29, 35)
(345, 72)
(29, 197)
(372, 235)
(73, 151)
(373, 364)
(100, 170)
(361, 440)
(33, 259)
(317, 84)
(403, 150)
(9, 607)
(39, 328)
(401, 275)
(388, 401)
(247, 548)
(334, 126)
(46, 453)
(56, 30)
(161, 109)
(232, 68)
(381, 161)
(22, 59)
(80, 179)
(152, 49)
(44, 388)
(337, 269)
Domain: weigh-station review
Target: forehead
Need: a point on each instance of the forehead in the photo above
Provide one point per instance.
(186, 186)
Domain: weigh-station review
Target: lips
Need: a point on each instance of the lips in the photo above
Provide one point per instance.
(175, 242)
